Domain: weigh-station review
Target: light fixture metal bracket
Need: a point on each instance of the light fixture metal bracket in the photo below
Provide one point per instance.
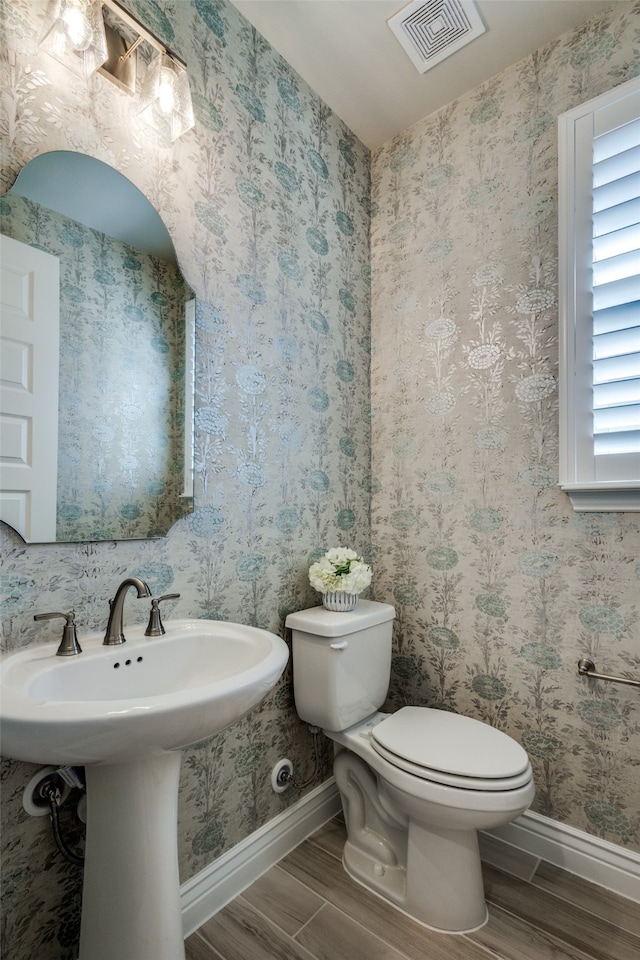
(120, 66)
(141, 31)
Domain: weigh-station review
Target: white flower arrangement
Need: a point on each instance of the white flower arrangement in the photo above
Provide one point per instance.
(340, 569)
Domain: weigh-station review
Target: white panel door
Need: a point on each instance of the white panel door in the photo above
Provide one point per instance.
(29, 344)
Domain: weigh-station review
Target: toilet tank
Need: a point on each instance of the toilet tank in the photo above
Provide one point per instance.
(341, 663)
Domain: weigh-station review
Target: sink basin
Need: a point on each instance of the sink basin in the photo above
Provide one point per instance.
(144, 697)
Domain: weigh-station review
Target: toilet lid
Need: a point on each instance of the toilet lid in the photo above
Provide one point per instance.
(448, 747)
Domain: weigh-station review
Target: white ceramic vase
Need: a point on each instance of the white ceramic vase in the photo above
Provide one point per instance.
(340, 601)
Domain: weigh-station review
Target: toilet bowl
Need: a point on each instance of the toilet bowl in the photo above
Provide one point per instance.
(433, 873)
(416, 785)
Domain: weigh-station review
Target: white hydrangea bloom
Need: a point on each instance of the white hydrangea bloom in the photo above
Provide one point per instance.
(340, 569)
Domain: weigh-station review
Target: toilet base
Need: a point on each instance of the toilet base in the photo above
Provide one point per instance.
(392, 903)
(430, 901)
(430, 873)
(444, 878)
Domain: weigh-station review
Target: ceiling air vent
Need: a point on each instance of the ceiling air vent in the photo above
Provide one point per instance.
(430, 30)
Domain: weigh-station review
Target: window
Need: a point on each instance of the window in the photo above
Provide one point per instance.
(599, 254)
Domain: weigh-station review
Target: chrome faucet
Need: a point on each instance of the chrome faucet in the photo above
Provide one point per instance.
(114, 632)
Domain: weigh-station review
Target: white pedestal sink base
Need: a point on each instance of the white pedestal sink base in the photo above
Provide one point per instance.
(125, 715)
(131, 892)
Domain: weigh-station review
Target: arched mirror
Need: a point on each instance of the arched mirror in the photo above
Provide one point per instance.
(110, 458)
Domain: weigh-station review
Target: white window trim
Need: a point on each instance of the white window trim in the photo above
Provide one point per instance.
(586, 493)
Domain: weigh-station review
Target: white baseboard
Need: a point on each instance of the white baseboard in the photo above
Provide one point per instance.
(598, 861)
(580, 853)
(234, 871)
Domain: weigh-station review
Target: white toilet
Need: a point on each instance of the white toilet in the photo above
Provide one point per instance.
(415, 785)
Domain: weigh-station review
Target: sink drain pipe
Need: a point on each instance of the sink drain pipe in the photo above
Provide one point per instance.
(50, 791)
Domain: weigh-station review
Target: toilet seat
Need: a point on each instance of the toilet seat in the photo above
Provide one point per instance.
(451, 749)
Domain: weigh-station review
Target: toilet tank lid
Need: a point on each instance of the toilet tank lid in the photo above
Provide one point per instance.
(327, 623)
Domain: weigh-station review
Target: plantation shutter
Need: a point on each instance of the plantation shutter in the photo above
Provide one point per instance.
(599, 300)
(616, 291)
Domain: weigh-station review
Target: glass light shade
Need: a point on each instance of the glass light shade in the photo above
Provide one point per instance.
(74, 34)
(165, 98)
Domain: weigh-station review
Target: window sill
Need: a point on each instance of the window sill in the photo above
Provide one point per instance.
(603, 497)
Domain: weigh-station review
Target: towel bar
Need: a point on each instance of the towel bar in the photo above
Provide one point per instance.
(587, 668)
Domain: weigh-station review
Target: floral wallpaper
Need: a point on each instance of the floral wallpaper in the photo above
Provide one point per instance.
(499, 586)
(121, 395)
(267, 202)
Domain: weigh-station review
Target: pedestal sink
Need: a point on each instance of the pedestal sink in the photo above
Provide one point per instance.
(125, 713)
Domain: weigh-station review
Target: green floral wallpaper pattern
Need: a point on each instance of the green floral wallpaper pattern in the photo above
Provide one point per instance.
(121, 395)
(267, 201)
(499, 586)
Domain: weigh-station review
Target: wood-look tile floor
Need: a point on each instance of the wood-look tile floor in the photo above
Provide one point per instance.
(307, 908)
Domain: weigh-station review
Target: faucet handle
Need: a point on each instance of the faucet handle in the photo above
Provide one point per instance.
(69, 645)
(155, 627)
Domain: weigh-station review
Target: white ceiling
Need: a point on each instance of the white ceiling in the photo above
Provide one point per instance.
(349, 56)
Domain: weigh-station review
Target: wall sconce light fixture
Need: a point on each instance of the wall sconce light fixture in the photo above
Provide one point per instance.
(74, 34)
(77, 33)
